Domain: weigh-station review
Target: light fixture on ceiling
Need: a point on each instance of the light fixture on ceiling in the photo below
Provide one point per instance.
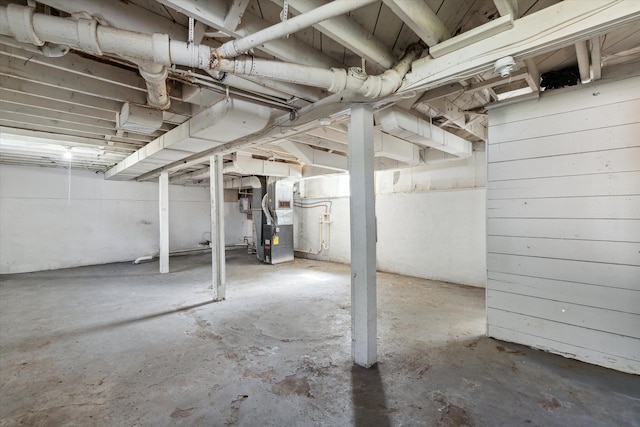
(139, 119)
(504, 66)
(324, 121)
(67, 155)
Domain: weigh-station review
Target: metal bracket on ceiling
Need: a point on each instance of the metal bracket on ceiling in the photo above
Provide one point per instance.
(191, 43)
(284, 15)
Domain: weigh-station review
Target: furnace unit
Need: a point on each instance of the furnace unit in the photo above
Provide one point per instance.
(277, 230)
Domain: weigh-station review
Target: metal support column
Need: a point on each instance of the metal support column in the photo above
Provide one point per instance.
(164, 221)
(363, 238)
(217, 228)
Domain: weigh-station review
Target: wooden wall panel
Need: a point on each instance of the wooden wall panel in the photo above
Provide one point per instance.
(563, 223)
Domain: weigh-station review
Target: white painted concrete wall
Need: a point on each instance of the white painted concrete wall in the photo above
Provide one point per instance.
(236, 225)
(431, 220)
(563, 234)
(106, 221)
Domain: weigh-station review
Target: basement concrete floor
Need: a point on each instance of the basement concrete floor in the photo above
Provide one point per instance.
(121, 344)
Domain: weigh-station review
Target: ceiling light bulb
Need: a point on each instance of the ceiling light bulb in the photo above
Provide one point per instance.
(67, 154)
(325, 122)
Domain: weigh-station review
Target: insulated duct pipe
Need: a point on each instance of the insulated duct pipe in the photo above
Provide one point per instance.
(332, 9)
(87, 35)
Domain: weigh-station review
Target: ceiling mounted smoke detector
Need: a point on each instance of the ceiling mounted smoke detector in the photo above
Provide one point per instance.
(504, 66)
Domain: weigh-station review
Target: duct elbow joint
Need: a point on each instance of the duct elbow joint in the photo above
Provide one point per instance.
(155, 75)
(382, 85)
(339, 82)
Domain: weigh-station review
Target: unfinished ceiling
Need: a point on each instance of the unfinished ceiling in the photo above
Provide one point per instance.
(76, 100)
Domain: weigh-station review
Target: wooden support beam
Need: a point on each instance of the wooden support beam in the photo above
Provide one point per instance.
(363, 238)
(418, 16)
(164, 221)
(550, 29)
(234, 15)
(596, 57)
(507, 7)
(218, 269)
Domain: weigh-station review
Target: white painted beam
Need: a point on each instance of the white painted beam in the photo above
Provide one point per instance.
(363, 238)
(82, 84)
(28, 99)
(28, 134)
(218, 268)
(421, 19)
(123, 14)
(76, 129)
(472, 36)
(596, 57)
(163, 184)
(57, 94)
(507, 7)
(533, 76)
(550, 29)
(234, 15)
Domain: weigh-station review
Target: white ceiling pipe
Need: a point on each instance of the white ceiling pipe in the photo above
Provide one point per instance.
(234, 48)
(334, 80)
(87, 35)
(134, 18)
(582, 52)
(155, 77)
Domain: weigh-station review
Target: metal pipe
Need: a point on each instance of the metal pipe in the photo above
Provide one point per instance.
(332, 9)
(172, 253)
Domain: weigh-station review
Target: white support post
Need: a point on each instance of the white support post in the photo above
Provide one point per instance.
(217, 228)
(363, 238)
(164, 222)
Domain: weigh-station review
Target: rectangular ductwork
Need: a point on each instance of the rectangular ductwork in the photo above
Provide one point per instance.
(139, 119)
(223, 122)
(404, 125)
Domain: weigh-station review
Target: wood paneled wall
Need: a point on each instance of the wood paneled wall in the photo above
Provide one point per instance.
(563, 223)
